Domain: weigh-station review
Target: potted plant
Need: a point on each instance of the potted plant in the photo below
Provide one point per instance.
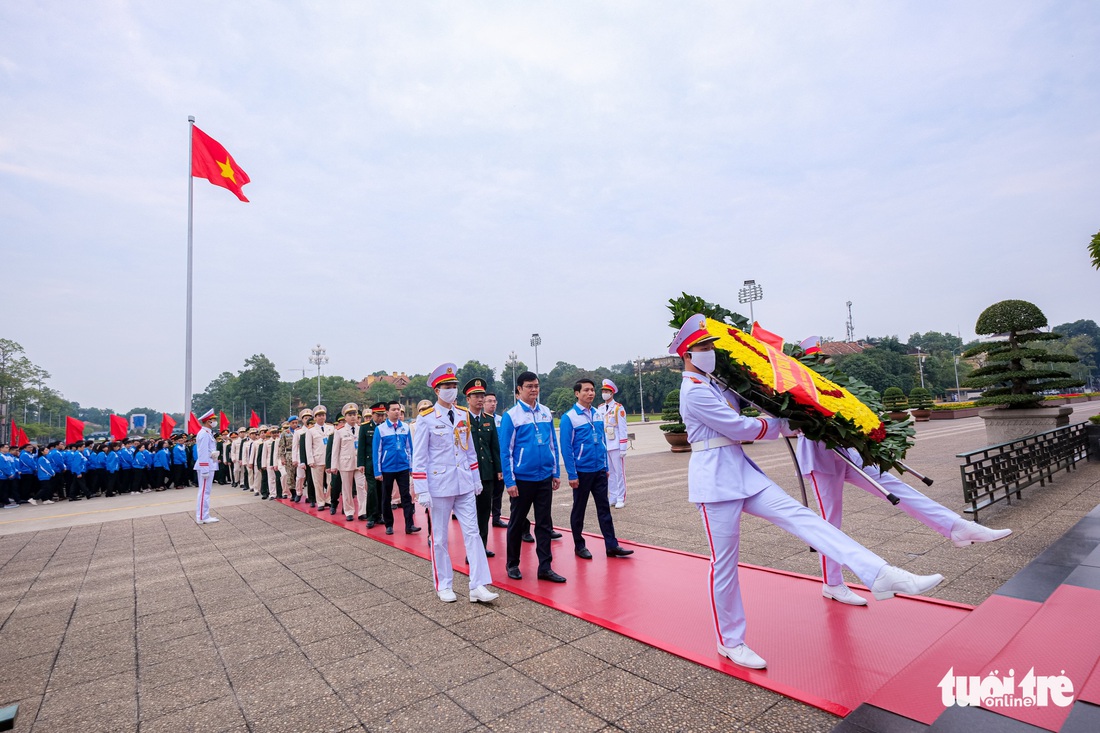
(920, 402)
(674, 429)
(893, 399)
(1016, 372)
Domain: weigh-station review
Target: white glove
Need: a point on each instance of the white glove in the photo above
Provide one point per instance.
(478, 489)
(425, 499)
(785, 429)
(214, 456)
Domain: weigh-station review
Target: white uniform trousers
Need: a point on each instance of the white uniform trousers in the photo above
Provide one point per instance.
(464, 506)
(829, 490)
(722, 522)
(236, 466)
(272, 486)
(320, 484)
(616, 477)
(255, 479)
(299, 478)
(348, 479)
(202, 504)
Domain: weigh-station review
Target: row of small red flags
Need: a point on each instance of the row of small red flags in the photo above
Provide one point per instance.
(120, 427)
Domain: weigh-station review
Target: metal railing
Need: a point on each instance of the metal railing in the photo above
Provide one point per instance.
(999, 472)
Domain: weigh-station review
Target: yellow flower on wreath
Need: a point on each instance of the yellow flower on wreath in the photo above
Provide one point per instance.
(752, 354)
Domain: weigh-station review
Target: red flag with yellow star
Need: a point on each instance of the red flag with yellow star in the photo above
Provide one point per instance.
(210, 160)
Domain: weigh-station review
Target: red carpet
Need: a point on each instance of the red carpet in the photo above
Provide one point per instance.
(820, 652)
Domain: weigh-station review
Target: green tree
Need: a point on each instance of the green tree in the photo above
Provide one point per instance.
(560, 400)
(472, 369)
(1094, 250)
(258, 383)
(417, 389)
(934, 342)
(382, 392)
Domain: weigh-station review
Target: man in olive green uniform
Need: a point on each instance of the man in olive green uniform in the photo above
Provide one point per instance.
(373, 512)
(483, 428)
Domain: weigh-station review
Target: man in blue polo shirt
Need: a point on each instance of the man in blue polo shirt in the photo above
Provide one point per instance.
(584, 447)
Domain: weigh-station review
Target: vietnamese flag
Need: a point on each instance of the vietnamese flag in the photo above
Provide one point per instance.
(223, 422)
(210, 160)
(167, 425)
(74, 430)
(254, 421)
(767, 337)
(17, 437)
(120, 426)
(193, 426)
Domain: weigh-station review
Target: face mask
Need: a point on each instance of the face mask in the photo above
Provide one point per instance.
(448, 394)
(703, 360)
(608, 395)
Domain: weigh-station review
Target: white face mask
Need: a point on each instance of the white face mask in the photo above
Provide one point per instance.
(608, 395)
(703, 360)
(448, 394)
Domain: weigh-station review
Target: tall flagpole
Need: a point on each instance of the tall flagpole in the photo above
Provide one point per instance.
(190, 257)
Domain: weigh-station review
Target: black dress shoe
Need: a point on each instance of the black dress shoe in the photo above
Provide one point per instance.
(555, 535)
(370, 524)
(528, 538)
(362, 517)
(498, 523)
(619, 552)
(332, 509)
(552, 577)
(389, 530)
(515, 574)
(490, 553)
(584, 553)
(412, 530)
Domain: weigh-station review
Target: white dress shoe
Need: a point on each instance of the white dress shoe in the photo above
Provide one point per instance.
(966, 533)
(211, 520)
(620, 504)
(844, 594)
(481, 594)
(742, 656)
(447, 595)
(893, 580)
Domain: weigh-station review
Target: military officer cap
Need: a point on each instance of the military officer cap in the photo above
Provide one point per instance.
(208, 415)
(340, 420)
(305, 412)
(443, 373)
(474, 386)
(692, 333)
(233, 433)
(349, 407)
(378, 407)
(609, 386)
(319, 410)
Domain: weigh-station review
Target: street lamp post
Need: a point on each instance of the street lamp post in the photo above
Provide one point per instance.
(920, 366)
(535, 341)
(318, 357)
(512, 361)
(958, 389)
(641, 398)
(750, 294)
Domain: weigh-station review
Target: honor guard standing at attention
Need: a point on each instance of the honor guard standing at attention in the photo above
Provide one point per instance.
(445, 468)
(287, 458)
(316, 443)
(206, 464)
(483, 428)
(723, 483)
(373, 511)
(529, 459)
(392, 461)
(827, 472)
(345, 459)
(614, 423)
(584, 448)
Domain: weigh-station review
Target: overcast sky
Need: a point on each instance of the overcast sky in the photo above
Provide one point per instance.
(435, 182)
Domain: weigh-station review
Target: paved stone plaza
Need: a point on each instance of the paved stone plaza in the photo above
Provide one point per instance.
(127, 616)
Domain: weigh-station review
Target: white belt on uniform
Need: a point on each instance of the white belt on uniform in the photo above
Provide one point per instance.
(709, 443)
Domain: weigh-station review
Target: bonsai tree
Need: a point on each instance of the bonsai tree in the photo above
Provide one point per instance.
(920, 399)
(670, 413)
(1015, 373)
(893, 399)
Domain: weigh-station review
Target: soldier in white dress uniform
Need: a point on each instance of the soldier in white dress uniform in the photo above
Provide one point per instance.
(316, 442)
(345, 461)
(614, 424)
(206, 465)
(723, 482)
(445, 469)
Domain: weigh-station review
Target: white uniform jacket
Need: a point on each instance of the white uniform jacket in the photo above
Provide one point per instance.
(444, 458)
(206, 452)
(614, 424)
(722, 473)
(316, 440)
(235, 450)
(345, 448)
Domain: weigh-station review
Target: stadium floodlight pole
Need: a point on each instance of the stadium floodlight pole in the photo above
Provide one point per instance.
(750, 294)
(317, 357)
(641, 399)
(513, 359)
(535, 341)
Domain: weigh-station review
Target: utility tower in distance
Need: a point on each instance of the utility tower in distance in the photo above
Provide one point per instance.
(849, 325)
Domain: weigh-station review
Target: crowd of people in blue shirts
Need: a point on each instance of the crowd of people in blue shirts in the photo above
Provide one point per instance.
(85, 469)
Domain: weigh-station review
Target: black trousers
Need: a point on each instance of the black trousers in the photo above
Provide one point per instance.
(540, 495)
(374, 499)
(7, 491)
(111, 486)
(125, 480)
(595, 484)
(402, 479)
(46, 487)
(484, 504)
(498, 496)
(78, 488)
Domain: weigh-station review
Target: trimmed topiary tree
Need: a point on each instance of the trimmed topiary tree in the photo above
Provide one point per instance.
(670, 413)
(920, 399)
(893, 399)
(1015, 375)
